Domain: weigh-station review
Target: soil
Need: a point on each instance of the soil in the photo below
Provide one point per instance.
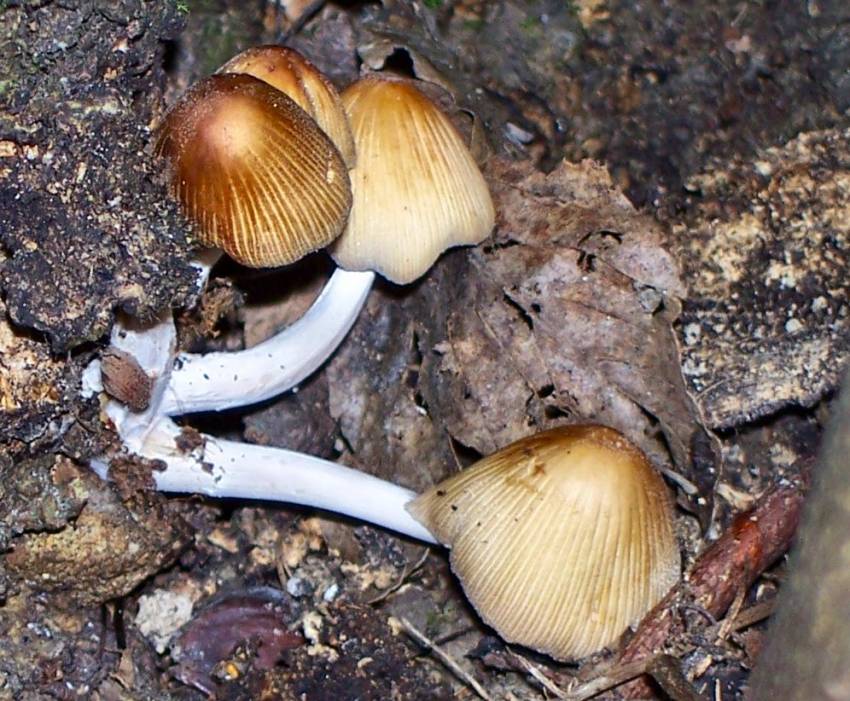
(669, 258)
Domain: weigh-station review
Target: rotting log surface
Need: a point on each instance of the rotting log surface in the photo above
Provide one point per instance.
(85, 222)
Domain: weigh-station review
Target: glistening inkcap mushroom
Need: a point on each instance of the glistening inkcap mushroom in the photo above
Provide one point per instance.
(288, 71)
(259, 179)
(417, 188)
(253, 171)
(561, 540)
(417, 192)
(262, 181)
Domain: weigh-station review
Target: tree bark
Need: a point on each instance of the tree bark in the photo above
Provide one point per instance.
(808, 651)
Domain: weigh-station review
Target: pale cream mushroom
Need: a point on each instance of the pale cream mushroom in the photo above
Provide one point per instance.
(561, 540)
(417, 189)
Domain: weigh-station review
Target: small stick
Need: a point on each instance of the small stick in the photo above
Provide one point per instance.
(726, 624)
(455, 668)
(753, 614)
(401, 580)
(665, 669)
(537, 675)
(613, 677)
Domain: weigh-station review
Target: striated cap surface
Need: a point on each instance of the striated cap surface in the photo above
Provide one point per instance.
(253, 171)
(561, 540)
(417, 189)
(288, 71)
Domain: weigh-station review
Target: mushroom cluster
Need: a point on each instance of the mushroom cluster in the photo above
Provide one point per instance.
(262, 182)
(562, 539)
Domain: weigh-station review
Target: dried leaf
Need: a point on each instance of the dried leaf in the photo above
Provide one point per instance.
(566, 315)
(373, 388)
(260, 616)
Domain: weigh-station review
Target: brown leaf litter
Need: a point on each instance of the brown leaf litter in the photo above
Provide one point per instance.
(566, 315)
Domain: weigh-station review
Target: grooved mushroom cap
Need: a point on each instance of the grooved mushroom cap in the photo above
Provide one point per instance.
(561, 540)
(417, 189)
(288, 71)
(253, 171)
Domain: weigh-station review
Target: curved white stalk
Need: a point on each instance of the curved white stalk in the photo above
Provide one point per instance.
(227, 469)
(217, 381)
(203, 261)
(152, 345)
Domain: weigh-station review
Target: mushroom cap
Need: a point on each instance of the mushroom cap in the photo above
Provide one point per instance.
(253, 171)
(561, 540)
(417, 189)
(288, 71)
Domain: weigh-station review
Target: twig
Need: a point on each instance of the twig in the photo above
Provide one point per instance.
(664, 669)
(687, 486)
(537, 675)
(726, 624)
(667, 672)
(454, 634)
(613, 677)
(455, 668)
(307, 11)
(753, 614)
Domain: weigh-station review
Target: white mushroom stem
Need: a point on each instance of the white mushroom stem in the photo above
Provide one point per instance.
(227, 469)
(218, 381)
(203, 261)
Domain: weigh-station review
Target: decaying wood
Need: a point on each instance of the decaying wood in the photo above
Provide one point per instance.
(764, 250)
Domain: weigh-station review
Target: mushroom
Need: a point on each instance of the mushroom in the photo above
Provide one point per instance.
(585, 467)
(417, 191)
(203, 137)
(561, 540)
(288, 71)
(253, 171)
(259, 179)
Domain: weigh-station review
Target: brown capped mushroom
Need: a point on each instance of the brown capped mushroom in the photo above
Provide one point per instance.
(253, 171)
(417, 189)
(288, 71)
(561, 540)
